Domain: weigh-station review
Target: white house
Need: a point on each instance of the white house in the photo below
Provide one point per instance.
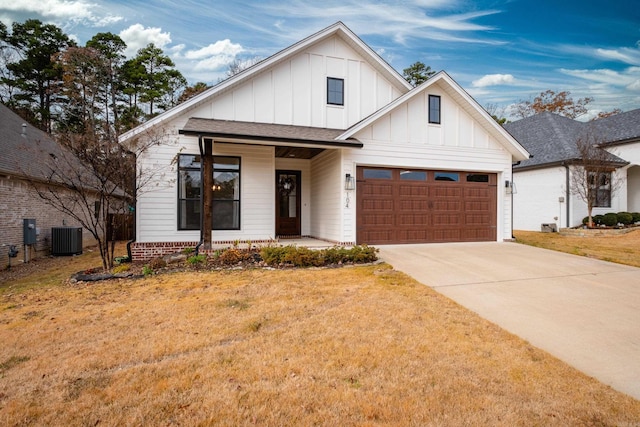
(543, 183)
(324, 139)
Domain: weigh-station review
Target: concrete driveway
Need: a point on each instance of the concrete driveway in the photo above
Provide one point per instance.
(584, 311)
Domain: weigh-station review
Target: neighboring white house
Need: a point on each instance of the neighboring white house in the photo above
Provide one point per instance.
(543, 189)
(325, 139)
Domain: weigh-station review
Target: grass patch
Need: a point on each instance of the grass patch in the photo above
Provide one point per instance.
(621, 249)
(12, 362)
(351, 346)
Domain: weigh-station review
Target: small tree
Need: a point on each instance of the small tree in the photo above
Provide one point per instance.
(554, 102)
(593, 179)
(417, 73)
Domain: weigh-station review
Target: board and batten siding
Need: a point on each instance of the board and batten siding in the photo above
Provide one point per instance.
(293, 92)
(326, 207)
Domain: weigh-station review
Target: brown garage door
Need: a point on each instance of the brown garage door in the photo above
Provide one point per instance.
(422, 206)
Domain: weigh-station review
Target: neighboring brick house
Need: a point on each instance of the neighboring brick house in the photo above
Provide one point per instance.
(25, 152)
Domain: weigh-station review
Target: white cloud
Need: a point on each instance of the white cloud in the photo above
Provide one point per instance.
(494, 80)
(634, 85)
(612, 78)
(626, 55)
(137, 36)
(219, 48)
(68, 11)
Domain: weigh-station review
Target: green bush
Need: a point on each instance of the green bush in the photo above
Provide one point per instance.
(610, 219)
(197, 259)
(625, 218)
(597, 219)
(636, 217)
(274, 255)
(305, 257)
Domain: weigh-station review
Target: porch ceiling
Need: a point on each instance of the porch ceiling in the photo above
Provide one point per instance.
(290, 141)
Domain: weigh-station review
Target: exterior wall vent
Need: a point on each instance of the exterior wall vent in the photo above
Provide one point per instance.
(66, 240)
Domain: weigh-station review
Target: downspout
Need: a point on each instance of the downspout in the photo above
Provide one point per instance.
(567, 184)
(201, 196)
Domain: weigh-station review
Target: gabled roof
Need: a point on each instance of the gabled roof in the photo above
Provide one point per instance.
(338, 29)
(25, 148)
(462, 98)
(551, 139)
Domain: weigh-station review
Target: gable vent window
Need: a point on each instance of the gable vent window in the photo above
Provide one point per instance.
(335, 91)
(434, 109)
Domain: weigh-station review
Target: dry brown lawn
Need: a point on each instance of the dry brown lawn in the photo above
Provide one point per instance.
(360, 346)
(623, 249)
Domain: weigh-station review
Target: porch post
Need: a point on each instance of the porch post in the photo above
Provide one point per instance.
(207, 193)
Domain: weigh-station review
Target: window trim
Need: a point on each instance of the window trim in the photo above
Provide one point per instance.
(181, 169)
(329, 92)
(431, 111)
(238, 200)
(595, 188)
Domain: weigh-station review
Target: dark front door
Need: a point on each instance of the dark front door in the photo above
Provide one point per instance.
(287, 203)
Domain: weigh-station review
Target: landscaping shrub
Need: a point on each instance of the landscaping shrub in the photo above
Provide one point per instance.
(597, 219)
(234, 256)
(305, 257)
(274, 255)
(625, 218)
(636, 217)
(610, 219)
(157, 263)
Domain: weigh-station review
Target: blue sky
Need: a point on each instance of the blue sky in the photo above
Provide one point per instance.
(500, 51)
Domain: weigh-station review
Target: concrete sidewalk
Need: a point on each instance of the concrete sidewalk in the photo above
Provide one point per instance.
(584, 311)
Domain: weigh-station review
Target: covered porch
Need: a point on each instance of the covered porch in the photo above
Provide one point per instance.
(305, 166)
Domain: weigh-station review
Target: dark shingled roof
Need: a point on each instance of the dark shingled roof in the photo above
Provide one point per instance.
(551, 139)
(266, 132)
(24, 154)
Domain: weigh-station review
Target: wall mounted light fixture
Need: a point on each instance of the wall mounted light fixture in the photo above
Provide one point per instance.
(349, 182)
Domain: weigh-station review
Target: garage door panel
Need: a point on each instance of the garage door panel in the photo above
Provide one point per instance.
(378, 189)
(446, 192)
(415, 219)
(414, 235)
(378, 220)
(413, 205)
(447, 235)
(476, 206)
(378, 205)
(394, 209)
(477, 219)
(443, 219)
(447, 206)
(413, 191)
